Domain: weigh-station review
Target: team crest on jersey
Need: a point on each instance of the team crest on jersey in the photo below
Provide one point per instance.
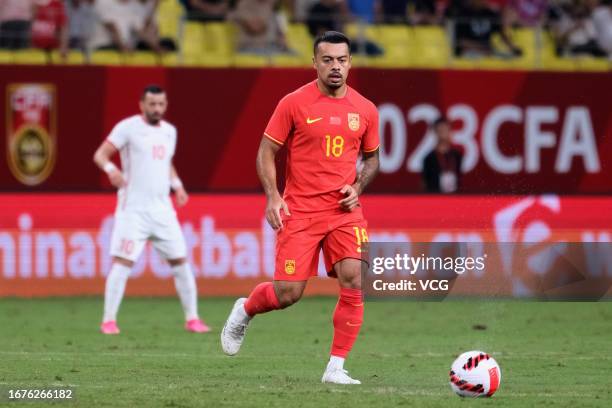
(353, 121)
(289, 266)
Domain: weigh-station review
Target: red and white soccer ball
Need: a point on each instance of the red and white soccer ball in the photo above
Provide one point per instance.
(475, 374)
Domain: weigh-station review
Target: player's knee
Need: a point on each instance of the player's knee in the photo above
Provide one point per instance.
(177, 262)
(288, 295)
(351, 282)
(123, 261)
(349, 273)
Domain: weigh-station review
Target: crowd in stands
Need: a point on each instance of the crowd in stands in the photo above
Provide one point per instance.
(577, 26)
(86, 25)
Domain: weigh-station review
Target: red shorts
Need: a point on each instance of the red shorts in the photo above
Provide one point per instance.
(300, 240)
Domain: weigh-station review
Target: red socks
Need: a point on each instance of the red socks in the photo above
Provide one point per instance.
(348, 315)
(261, 300)
(347, 321)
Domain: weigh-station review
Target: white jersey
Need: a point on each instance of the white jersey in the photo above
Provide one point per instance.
(146, 159)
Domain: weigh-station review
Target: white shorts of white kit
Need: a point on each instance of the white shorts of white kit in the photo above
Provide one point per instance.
(133, 229)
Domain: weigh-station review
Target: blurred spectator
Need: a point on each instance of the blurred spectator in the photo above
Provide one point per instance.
(50, 26)
(526, 13)
(206, 10)
(426, 12)
(573, 29)
(602, 19)
(115, 25)
(147, 30)
(15, 22)
(364, 10)
(394, 11)
(126, 25)
(301, 8)
(261, 30)
(81, 20)
(326, 15)
(329, 15)
(442, 166)
(475, 23)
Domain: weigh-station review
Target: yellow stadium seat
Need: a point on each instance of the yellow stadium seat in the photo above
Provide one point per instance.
(433, 49)
(6, 57)
(169, 15)
(142, 58)
(464, 63)
(218, 45)
(73, 58)
(357, 30)
(208, 44)
(493, 63)
(30, 57)
(246, 60)
(299, 40)
(399, 45)
(549, 59)
(193, 43)
(526, 39)
(593, 64)
(288, 60)
(104, 57)
(361, 61)
(170, 59)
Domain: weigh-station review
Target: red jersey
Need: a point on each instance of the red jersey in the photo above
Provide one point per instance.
(323, 136)
(49, 19)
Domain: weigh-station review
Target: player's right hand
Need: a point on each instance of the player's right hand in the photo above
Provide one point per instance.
(273, 207)
(116, 178)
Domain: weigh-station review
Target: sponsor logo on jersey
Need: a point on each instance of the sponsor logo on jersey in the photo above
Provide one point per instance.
(289, 266)
(30, 131)
(353, 121)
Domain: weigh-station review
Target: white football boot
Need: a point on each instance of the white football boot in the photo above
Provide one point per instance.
(234, 329)
(335, 375)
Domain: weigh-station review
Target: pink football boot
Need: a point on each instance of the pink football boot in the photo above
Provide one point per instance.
(109, 327)
(196, 326)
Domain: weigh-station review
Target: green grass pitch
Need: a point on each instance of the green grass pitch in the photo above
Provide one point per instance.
(551, 354)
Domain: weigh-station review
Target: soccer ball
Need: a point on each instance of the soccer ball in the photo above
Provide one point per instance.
(475, 374)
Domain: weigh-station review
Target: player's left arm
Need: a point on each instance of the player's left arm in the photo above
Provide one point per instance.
(370, 163)
(369, 171)
(177, 185)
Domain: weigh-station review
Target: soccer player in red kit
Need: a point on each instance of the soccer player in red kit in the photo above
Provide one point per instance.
(325, 125)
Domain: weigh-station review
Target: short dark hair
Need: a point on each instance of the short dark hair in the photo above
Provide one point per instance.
(439, 121)
(334, 37)
(152, 89)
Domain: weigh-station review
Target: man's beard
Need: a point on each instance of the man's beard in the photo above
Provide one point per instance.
(333, 85)
(153, 119)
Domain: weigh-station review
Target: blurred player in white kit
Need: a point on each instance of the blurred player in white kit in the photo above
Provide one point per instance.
(144, 210)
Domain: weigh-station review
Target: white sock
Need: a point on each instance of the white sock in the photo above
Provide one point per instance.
(243, 314)
(336, 362)
(113, 293)
(185, 284)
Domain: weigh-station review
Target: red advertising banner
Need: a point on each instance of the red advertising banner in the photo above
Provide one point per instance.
(520, 132)
(58, 244)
